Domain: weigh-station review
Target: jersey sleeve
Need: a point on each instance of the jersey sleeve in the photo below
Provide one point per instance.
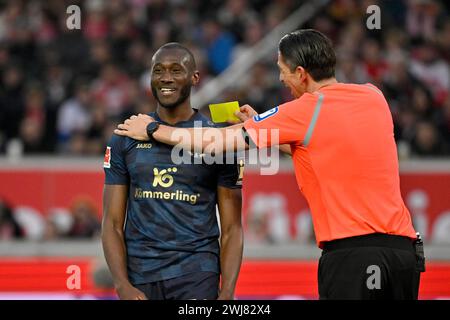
(284, 124)
(231, 172)
(114, 164)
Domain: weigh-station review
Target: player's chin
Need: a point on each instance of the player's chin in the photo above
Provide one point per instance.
(168, 102)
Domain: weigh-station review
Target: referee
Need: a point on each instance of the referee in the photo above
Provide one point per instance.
(342, 144)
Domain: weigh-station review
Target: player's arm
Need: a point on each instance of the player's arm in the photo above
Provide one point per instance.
(114, 204)
(230, 204)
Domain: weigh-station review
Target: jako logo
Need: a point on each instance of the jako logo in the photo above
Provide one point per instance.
(163, 178)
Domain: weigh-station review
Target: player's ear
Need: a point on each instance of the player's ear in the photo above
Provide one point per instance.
(195, 78)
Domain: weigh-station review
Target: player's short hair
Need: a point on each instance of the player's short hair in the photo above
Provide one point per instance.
(311, 50)
(179, 46)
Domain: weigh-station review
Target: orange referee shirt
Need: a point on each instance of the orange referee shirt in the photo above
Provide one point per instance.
(345, 159)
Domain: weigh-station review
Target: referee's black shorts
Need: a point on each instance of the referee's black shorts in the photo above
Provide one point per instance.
(375, 266)
(200, 285)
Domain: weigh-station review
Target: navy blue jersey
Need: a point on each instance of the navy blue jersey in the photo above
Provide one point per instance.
(171, 227)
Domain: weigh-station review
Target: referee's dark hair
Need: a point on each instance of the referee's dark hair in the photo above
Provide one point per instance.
(311, 50)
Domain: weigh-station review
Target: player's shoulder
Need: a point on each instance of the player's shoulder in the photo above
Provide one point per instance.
(120, 143)
(204, 120)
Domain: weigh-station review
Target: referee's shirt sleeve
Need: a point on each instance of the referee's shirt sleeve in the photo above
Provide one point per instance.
(284, 124)
(114, 164)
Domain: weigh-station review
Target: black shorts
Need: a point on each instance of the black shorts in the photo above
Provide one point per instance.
(198, 285)
(376, 266)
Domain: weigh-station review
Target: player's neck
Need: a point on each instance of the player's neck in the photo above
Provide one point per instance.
(182, 112)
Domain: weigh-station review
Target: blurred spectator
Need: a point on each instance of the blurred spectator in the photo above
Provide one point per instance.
(9, 227)
(58, 224)
(254, 32)
(110, 90)
(74, 115)
(234, 15)
(427, 141)
(267, 219)
(259, 90)
(36, 131)
(408, 59)
(350, 70)
(85, 221)
(428, 67)
(422, 17)
(373, 64)
(304, 227)
(99, 55)
(219, 45)
(11, 101)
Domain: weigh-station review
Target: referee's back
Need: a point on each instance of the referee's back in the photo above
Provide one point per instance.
(349, 170)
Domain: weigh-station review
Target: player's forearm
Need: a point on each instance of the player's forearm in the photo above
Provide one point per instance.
(202, 139)
(115, 254)
(230, 260)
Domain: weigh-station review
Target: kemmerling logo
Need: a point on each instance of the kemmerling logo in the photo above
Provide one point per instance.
(163, 178)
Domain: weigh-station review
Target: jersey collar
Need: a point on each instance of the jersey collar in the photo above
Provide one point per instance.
(197, 116)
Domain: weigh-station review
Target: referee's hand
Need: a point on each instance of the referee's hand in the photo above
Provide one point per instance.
(135, 127)
(246, 112)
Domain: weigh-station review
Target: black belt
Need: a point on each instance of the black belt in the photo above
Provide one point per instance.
(371, 240)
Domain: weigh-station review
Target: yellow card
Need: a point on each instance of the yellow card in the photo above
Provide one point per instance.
(224, 112)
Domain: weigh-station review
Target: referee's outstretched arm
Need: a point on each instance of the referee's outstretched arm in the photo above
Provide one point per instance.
(231, 138)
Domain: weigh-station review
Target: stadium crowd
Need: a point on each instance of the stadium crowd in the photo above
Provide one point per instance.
(63, 91)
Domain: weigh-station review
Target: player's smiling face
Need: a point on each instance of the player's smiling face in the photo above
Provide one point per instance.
(172, 77)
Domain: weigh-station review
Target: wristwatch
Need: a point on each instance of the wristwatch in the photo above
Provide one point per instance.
(151, 128)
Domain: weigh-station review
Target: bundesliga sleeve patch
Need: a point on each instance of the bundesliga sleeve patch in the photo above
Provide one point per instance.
(107, 159)
(265, 115)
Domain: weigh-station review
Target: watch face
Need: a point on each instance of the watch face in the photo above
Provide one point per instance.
(151, 127)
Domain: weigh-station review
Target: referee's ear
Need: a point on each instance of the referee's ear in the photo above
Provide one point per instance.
(300, 73)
